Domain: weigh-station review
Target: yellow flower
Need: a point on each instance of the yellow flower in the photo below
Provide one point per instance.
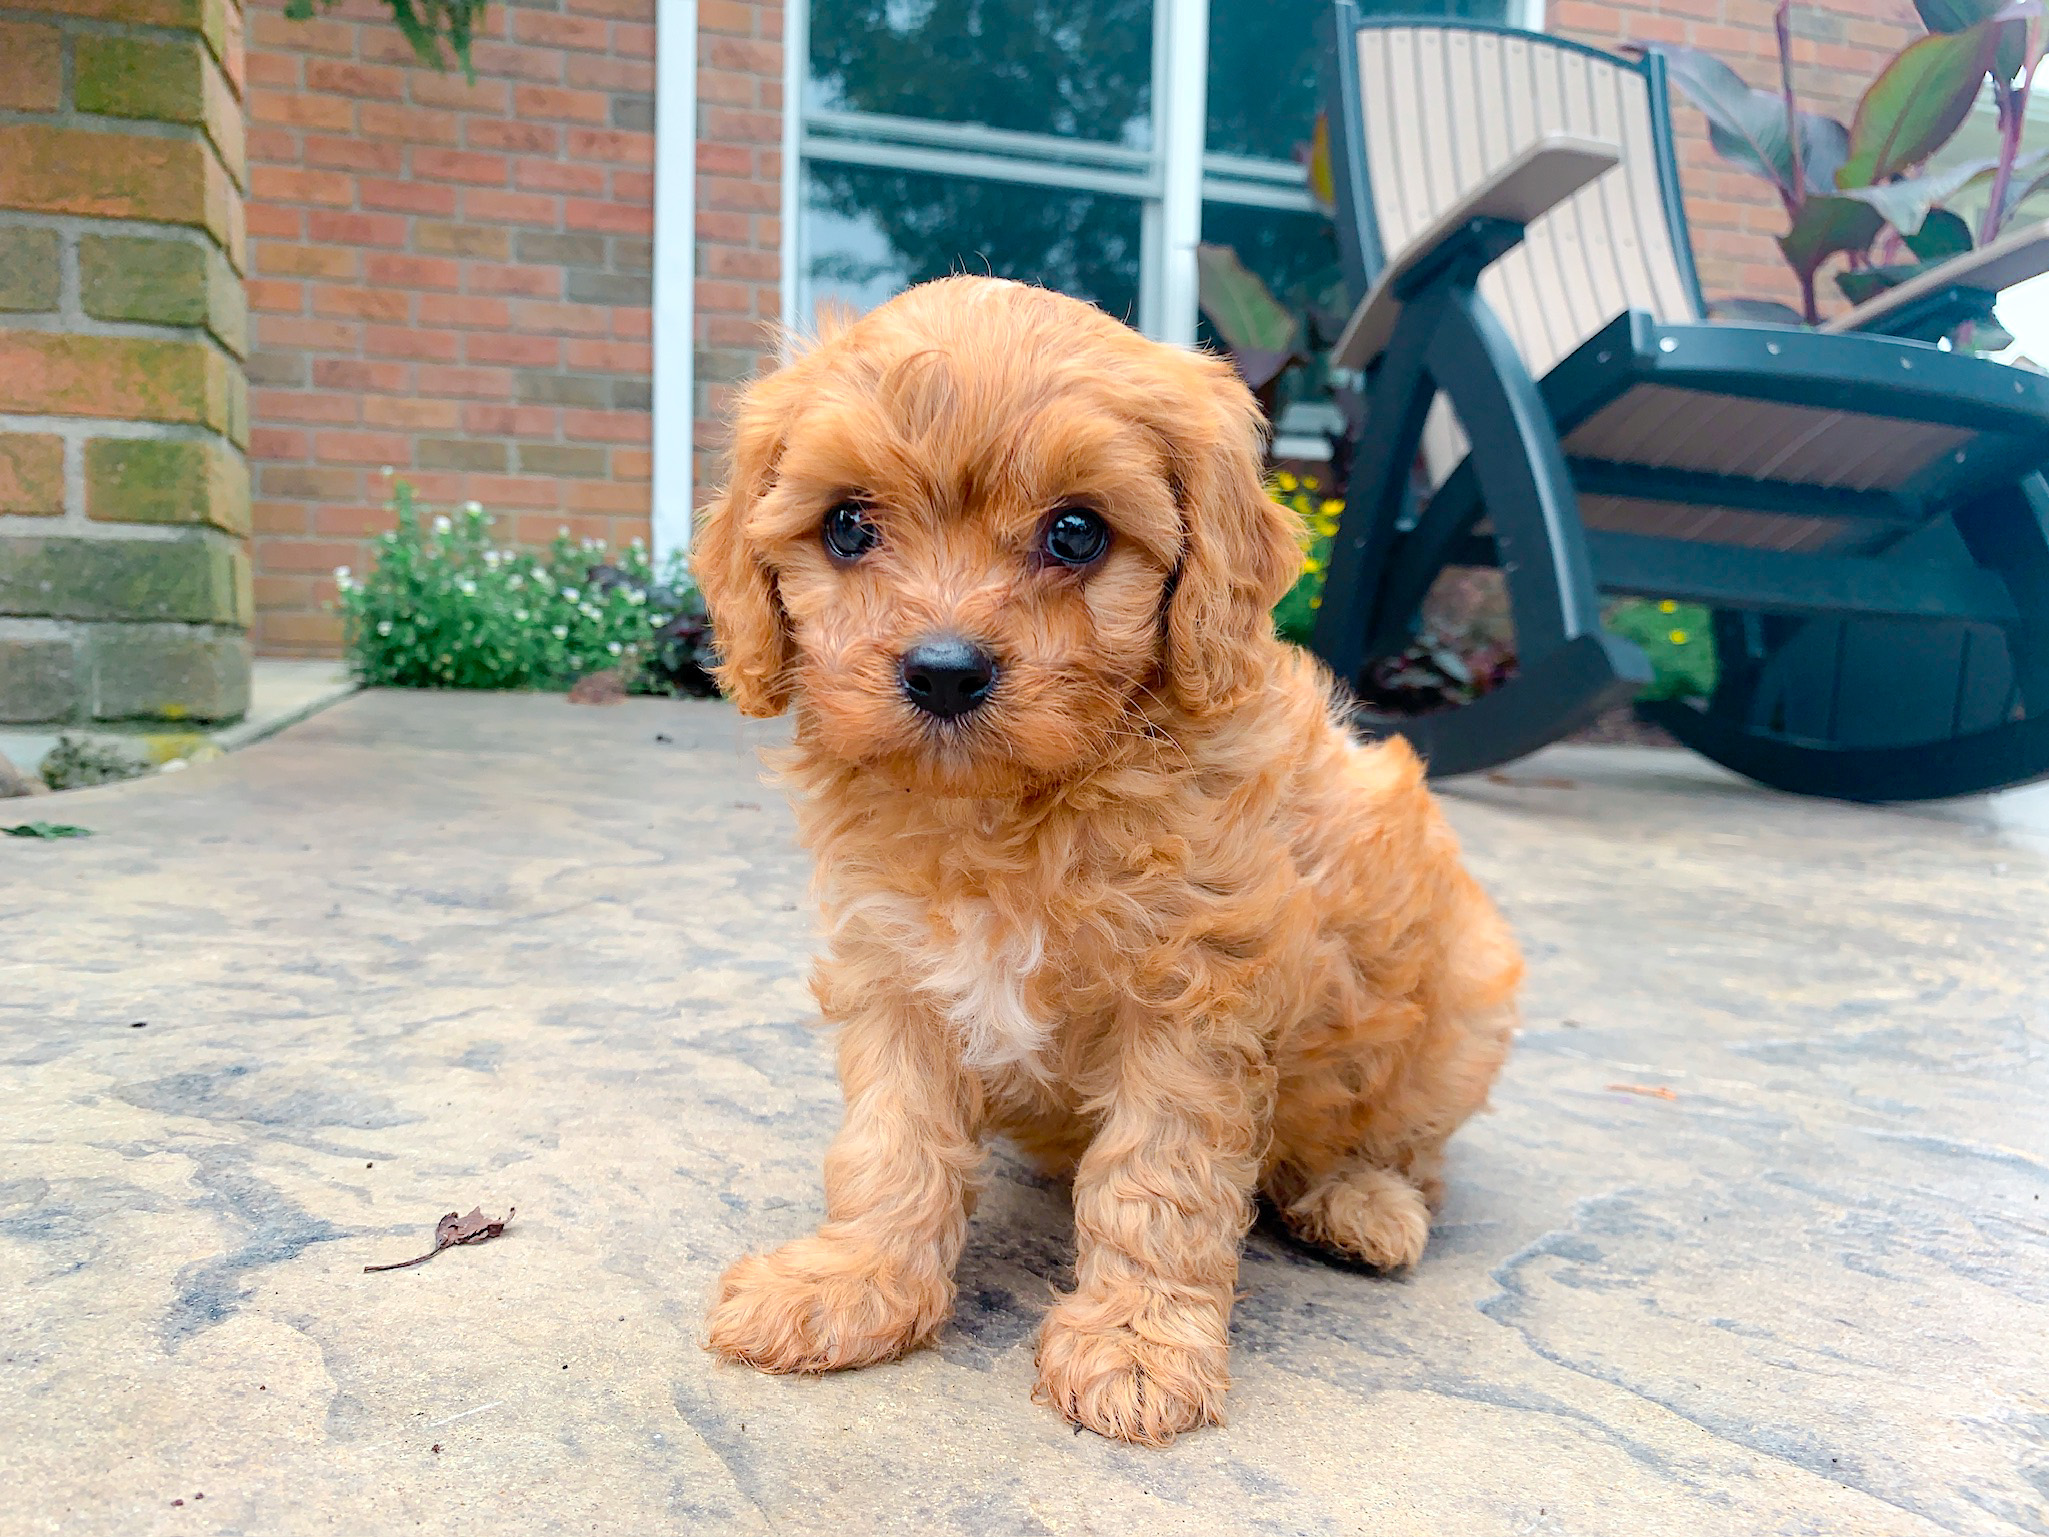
(1317, 601)
(1331, 506)
(1668, 607)
(1286, 481)
(1677, 637)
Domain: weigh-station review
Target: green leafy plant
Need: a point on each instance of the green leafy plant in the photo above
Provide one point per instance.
(429, 25)
(1678, 640)
(1295, 614)
(46, 830)
(1866, 193)
(445, 606)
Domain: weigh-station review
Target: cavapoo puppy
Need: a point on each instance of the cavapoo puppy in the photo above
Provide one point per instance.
(1100, 869)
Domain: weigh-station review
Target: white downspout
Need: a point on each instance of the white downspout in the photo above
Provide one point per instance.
(675, 274)
(1181, 138)
(796, 64)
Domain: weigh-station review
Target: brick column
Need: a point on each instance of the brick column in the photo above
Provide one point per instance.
(124, 493)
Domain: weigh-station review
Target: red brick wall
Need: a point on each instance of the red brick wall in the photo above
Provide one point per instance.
(739, 195)
(448, 279)
(1837, 50)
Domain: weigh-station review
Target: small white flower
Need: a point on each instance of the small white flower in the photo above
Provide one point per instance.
(569, 594)
(491, 559)
(469, 588)
(520, 614)
(634, 595)
(615, 648)
(341, 574)
(474, 509)
(562, 632)
(562, 532)
(384, 627)
(386, 472)
(515, 582)
(441, 525)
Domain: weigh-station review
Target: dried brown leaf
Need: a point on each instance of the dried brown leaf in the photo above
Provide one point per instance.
(452, 1230)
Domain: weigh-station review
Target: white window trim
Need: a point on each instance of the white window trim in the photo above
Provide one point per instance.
(1170, 184)
(674, 318)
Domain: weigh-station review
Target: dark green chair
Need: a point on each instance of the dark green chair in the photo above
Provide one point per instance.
(1859, 507)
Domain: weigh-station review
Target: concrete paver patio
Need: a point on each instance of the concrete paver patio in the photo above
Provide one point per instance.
(429, 952)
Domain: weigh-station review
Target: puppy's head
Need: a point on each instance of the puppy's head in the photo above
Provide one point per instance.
(972, 534)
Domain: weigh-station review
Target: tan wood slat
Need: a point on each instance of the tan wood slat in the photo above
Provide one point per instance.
(1664, 428)
(1542, 318)
(1719, 525)
(1599, 249)
(1646, 193)
(1558, 264)
(1625, 244)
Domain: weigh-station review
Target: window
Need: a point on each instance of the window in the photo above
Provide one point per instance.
(1054, 141)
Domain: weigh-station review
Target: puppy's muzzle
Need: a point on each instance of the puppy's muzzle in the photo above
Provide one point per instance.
(947, 676)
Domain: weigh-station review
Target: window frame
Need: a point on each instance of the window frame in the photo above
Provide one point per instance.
(1171, 181)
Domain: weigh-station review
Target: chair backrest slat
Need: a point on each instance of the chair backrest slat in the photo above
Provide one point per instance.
(1443, 104)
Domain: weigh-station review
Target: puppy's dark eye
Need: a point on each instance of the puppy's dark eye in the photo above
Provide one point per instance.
(1075, 536)
(849, 532)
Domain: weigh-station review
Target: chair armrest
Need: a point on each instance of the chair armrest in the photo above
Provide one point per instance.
(2013, 258)
(1520, 191)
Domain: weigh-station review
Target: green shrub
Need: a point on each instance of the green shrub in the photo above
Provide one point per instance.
(445, 606)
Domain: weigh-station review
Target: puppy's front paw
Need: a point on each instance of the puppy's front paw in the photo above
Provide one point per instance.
(819, 1305)
(1144, 1372)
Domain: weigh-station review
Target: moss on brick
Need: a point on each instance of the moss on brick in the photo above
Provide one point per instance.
(31, 474)
(159, 480)
(38, 679)
(140, 77)
(124, 377)
(165, 281)
(31, 269)
(48, 168)
(161, 80)
(133, 277)
(166, 672)
(198, 580)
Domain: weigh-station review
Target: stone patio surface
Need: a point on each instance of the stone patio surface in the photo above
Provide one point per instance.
(424, 953)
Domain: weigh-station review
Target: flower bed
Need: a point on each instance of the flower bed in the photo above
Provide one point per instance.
(446, 606)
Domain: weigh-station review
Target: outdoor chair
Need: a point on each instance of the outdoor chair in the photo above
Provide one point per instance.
(1860, 507)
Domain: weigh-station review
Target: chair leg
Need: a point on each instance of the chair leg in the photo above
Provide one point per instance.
(1416, 559)
(2009, 534)
(1569, 668)
(1397, 403)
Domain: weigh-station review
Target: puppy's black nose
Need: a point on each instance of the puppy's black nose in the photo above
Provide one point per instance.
(947, 676)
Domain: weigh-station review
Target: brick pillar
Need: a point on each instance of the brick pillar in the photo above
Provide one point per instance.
(124, 493)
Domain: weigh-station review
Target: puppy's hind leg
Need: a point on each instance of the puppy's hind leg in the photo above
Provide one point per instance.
(1362, 1209)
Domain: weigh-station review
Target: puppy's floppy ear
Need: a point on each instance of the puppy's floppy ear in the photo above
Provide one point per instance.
(749, 626)
(1241, 550)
